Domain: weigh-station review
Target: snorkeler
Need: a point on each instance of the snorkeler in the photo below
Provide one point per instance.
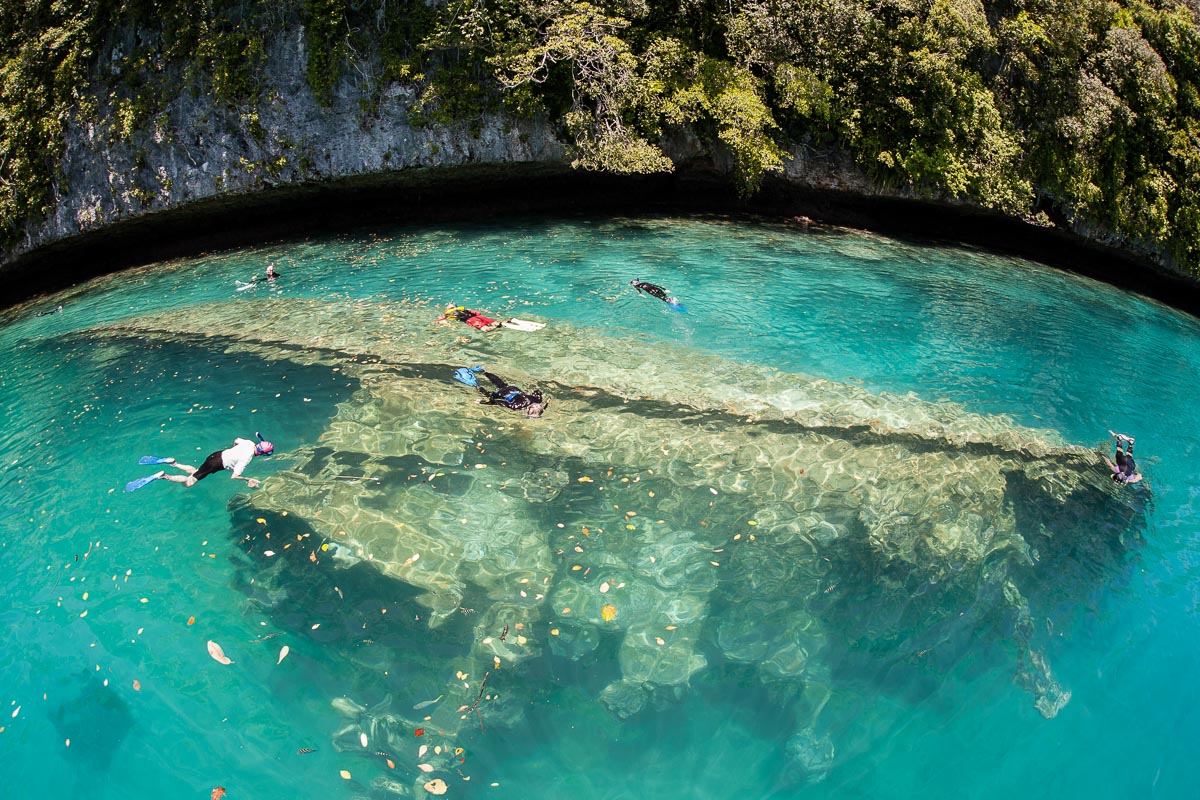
(235, 459)
(1124, 470)
(506, 394)
(49, 311)
(485, 324)
(270, 277)
(654, 290)
(473, 318)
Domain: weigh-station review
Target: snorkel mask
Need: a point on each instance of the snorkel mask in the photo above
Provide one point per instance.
(263, 448)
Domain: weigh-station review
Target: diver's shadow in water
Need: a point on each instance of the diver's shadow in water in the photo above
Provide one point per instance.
(95, 720)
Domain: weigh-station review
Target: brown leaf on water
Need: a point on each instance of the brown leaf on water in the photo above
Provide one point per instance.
(436, 786)
(217, 653)
(191, 620)
(137, 686)
(218, 793)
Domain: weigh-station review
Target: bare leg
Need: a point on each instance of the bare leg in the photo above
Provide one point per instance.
(184, 479)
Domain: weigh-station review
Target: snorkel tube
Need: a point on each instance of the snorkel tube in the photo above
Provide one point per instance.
(263, 448)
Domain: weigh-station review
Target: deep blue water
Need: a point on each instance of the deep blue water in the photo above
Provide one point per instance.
(998, 335)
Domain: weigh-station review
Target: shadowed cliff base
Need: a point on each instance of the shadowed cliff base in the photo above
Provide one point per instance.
(455, 194)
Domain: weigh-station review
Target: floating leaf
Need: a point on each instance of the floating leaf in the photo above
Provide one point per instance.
(660, 641)
(137, 686)
(425, 767)
(362, 737)
(419, 732)
(604, 587)
(422, 750)
(218, 793)
(391, 764)
(345, 774)
(427, 703)
(436, 786)
(191, 620)
(283, 651)
(458, 751)
(609, 613)
(268, 553)
(217, 653)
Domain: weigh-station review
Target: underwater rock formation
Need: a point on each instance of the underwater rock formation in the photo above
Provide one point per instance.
(678, 506)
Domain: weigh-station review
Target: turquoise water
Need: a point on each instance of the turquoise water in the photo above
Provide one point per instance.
(100, 585)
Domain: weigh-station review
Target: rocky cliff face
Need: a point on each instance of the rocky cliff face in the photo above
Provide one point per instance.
(200, 148)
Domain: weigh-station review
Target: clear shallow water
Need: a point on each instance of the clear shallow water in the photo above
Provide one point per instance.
(996, 335)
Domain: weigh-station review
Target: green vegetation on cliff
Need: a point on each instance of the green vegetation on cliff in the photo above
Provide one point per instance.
(1090, 108)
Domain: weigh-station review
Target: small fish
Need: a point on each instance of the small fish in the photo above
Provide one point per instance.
(505, 633)
(305, 751)
(382, 754)
(427, 703)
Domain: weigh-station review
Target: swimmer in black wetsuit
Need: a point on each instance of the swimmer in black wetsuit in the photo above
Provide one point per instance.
(507, 395)
(654, 290)
(1124, 470)
(51, 311)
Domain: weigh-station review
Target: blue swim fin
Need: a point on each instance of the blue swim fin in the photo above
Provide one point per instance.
(465, 376)
(152, 460)
(133, 486)
(675, 305)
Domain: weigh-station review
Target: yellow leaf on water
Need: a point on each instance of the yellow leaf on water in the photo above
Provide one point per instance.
(261, 521)
(659, 640)
(391, 764)
(554, 631)
(609, 613)
(345, 774)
